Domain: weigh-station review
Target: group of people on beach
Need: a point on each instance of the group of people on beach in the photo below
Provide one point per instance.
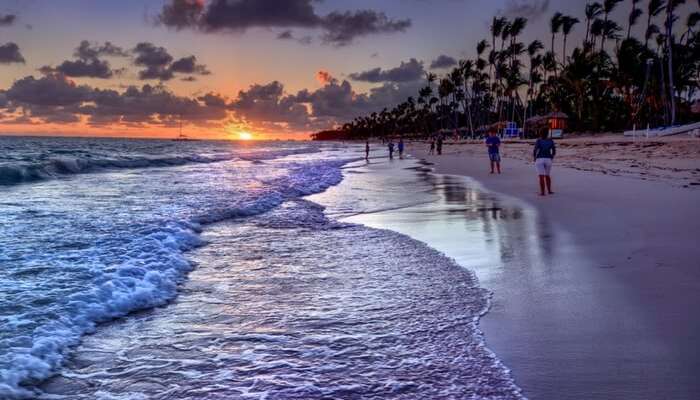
(543, 154)
(391, 146)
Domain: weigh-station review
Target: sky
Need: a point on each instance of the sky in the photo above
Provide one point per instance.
(229, 68)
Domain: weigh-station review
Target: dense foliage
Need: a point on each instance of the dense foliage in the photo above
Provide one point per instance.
(610, 81)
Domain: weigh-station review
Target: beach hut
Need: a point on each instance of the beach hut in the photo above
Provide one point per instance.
(534, 125)
(557, 123)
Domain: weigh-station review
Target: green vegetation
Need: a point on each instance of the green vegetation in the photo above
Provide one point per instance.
(609, 82)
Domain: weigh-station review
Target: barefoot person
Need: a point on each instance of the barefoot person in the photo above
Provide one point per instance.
(544, 153)
(493, 143)
(367, 150)
(391, 149)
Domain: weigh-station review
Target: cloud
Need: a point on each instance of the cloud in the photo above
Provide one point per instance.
(288, 35)
(9, 53)
(180, 14)
(188, 65)
(87, 50)
(81, 68)
(443, 61)
(158, 64)
(337, 101)
(531, 9)
(324, 77)
(88, 63)
(56, 98)
(51, 90)
(268, 104)
(262, 107)
(7, 19)
(343, 28)
(411, 70)
(339, 28)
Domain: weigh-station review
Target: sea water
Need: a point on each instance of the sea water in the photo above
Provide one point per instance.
(136, 269)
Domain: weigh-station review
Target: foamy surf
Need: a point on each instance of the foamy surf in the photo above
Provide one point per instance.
(275, 298)
(80, 252)
(288, 305)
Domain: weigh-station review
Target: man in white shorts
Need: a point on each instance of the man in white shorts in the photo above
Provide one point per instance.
(544, 153)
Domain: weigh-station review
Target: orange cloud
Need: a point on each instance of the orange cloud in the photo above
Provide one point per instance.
(324, 77)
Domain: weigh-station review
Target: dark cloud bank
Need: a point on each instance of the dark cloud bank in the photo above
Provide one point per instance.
(9, 53)
(56, 98)
(155, 62)
(409, 71)
(338, 28)
(443, 61)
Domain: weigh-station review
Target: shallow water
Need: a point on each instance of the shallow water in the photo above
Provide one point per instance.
(230, 285)
(81, 247)
(305, 308)
(293, 303)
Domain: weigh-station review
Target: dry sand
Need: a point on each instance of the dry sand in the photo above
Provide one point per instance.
(674, 160)
(623, 321)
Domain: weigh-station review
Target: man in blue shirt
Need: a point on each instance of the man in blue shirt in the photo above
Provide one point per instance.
(544, 153)
(493, 143)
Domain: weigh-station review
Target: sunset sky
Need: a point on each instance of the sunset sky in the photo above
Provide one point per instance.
(272, 68)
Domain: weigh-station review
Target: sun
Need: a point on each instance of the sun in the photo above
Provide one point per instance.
(243, 135)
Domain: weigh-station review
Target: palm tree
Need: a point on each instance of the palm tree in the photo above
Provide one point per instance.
(593, 10)
(533, 50)
(690, 23)
(554, 27)
(608, 7)
(654, 8)
(670, 19)
(610, 31)
(467, 70)
(567, 24)
(496, 28)
(633, 17)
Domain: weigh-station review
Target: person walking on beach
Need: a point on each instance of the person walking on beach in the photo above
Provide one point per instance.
(401, 148)
(544, 153)
(439, 145)
(432, 147)
(493, 143)
(367, 150)
(391, 149)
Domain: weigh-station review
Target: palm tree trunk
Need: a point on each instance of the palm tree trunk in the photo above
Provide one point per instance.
(664, 104)
(564, 51)
(669, 44)
(646, 37)
(588, 30)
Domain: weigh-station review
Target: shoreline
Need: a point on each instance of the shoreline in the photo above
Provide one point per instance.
(623, 324)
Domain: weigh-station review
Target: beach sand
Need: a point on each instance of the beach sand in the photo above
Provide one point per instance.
(618, 318)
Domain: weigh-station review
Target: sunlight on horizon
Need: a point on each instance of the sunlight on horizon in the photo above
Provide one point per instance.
(243, 135)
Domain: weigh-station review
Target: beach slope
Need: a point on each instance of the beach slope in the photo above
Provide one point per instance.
(619, 321)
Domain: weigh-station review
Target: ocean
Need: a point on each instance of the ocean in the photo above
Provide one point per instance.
(144, 269)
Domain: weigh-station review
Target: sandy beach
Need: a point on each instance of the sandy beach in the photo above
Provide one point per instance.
(614, 315)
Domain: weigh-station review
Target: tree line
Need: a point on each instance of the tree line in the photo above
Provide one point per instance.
(609, 82)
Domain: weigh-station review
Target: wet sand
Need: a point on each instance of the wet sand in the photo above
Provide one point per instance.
(599, 298)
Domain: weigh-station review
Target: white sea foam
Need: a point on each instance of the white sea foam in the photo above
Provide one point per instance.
(325, 310)
(75, 254)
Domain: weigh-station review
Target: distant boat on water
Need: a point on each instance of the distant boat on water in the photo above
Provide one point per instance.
(182, 137)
